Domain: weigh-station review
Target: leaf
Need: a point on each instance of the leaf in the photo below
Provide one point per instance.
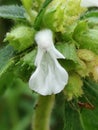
(23, 71)
(69, 51)
(6, 60)
(39, 17)
(58, 112)
(91, 16)
(23, 123)
(29, 59)
(72, 121)
(6, 81)
(86, 37)
(14, 12)
(83, 117)
(90, 116)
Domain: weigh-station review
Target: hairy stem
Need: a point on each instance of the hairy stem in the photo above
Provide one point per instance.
(41, 120)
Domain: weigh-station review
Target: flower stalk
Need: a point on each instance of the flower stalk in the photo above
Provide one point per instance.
(41, 120)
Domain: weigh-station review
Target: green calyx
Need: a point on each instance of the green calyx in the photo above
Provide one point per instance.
(74, 87)
(85, 55)
(61, 14)
(20, 37)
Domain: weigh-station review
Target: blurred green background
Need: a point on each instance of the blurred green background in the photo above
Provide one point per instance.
(16, 101)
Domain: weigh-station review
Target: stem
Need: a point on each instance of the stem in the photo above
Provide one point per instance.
(43, 112)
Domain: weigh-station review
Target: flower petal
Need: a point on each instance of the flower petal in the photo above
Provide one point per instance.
(39, 56)
(55, 53)
(89, 3)
(49, 78)
(44, 39)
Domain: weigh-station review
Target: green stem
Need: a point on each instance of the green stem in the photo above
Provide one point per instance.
(43, 112)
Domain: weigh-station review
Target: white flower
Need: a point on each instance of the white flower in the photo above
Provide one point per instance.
(89, 3)
(49, 77)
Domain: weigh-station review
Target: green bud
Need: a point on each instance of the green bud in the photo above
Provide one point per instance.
(20, 37)
(60, 14)
(74, 87)
(85, 55)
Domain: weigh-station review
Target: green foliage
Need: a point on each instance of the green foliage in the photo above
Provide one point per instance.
(38, 20)
(27, 4)
(4, 85)
(91, 16)
(80, 117)
(29, 59)
(55, 12)
(58, 114)
(16, 106)
(86, 37)
(75, 34)
(69, 51)
(62, 13)
(14, 12)
(88, 116)
(30, 14)
(72, 119)
(6, 59)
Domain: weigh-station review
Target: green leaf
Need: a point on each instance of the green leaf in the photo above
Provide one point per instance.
(86, 37)
(59, 112)
(23, 71)
(83, 117)
(6, 60)
(61, 14)
(69, 51)
(23, 123)
(39, 17)
(6, 81)
(91, 16)
(14, 12)
(72, 121)
(29, 59)
(90, 116)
